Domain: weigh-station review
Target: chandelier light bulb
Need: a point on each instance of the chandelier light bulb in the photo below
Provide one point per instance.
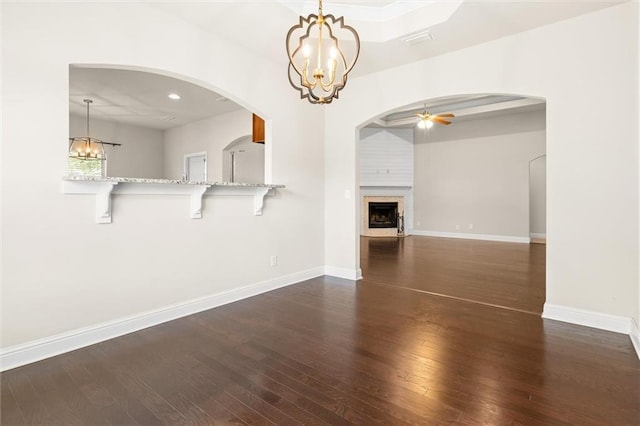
(86, 147)
(306, 51)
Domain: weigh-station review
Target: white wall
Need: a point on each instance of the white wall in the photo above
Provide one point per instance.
(473, 177)
(141, 154)
(386, 157)
(637, 313)
(592, 170)
(60, 270)
(538, 196)
(249, 164)
(210, 135)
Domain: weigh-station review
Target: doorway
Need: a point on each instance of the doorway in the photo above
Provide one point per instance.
(195, 167)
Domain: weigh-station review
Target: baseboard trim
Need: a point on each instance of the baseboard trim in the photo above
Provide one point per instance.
(635, 336)
(346, 273)
(16, 356)
(587, 318)
(536, 235)
(483, 237)
(615, 323)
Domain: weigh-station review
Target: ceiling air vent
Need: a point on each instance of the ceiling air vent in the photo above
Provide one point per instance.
(418, 37)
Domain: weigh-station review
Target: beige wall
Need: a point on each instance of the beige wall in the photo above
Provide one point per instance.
(141, 154)
(473, 176)
(538, 196)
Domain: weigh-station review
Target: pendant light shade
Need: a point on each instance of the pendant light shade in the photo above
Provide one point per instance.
(318, 64)
(86, 147)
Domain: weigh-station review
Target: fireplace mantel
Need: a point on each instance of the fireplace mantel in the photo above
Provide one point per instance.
(103, 187)
(368, 231)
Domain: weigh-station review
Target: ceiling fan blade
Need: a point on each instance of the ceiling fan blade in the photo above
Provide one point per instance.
(440, 121)
(446, 115)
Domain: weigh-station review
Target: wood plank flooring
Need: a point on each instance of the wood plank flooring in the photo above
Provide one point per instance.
(330, 351)
(510, 275)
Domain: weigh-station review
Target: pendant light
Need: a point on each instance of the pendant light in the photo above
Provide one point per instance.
(86, 147)
(315, 38)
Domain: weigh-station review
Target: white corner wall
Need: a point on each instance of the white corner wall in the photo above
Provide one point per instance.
(592, 170)
(210, 135)
(636, 324)
(141, 154)
(61, 272)
(386, 157)
(473, 177)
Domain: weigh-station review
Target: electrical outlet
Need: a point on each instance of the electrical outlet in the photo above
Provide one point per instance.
(471, 226)
(274, 261)
(418, 223)
(457, 227)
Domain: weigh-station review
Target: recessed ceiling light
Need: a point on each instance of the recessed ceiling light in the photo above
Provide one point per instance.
(174, 96)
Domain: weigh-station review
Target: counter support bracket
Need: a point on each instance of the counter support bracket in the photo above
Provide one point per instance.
(258, 200)
(104, 188)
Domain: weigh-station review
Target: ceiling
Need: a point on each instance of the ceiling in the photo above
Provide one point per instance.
(141, 98)
(464, 107)
(455, 24)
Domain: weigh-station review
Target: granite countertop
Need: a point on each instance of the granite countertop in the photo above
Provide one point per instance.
(165, 181)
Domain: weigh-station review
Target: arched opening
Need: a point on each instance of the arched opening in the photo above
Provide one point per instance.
(243, 161)
(462, 190)
(151, 121)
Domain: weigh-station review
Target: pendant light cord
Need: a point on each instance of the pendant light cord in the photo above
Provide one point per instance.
(88, 101)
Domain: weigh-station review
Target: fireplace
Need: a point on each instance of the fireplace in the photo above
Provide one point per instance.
(383, 215)
(380, 216)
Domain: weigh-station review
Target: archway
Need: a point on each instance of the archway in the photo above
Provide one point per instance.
(243, 161)
(131, 104)
(465, 184)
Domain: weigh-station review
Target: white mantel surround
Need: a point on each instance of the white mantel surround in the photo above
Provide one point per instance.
(103, 187)
(406, 192)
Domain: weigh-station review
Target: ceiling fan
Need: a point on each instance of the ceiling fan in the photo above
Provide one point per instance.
(427, 119)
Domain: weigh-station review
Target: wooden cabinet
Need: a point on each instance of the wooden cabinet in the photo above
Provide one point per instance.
(258, 129)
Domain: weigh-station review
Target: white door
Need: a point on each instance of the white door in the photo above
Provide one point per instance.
(195, 167)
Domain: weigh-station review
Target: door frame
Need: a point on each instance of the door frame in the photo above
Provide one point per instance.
(185, 169)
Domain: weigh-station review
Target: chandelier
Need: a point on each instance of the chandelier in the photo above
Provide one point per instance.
(314, 40)
(86, 147)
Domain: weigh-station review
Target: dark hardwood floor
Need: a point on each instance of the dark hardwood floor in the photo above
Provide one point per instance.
(509, 275)
(329, 351)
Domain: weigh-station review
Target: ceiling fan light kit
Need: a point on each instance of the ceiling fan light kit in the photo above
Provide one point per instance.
(314, 38)
(427, 119)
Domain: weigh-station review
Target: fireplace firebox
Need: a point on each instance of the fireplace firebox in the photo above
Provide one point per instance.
(383, 215)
